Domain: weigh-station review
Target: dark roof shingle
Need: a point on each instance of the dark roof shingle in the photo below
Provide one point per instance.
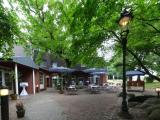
(27, 61)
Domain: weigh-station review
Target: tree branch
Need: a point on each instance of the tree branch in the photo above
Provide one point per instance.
(111, 31)
(26, 2)
(142, 65)
(153, 19)
(153, 27)
(118, 38)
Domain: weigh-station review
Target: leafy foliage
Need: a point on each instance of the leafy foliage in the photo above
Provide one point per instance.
(8, 30)
(75, 29)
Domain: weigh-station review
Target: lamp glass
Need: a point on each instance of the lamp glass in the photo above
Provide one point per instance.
(157, 89)
(4, 92)
(124, 21)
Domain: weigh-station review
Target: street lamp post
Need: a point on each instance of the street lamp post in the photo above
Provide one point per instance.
(4, 92)
(124, 20)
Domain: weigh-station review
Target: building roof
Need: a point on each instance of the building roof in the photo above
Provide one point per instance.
(27, 61)
(134, 72)
(43, 67)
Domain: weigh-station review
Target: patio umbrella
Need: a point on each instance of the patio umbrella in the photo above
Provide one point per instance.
(95, 70)
(98, 73)
(134, 72)
(61, 69)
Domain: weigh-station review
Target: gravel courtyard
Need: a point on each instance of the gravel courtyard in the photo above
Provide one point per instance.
(50, 105)
(88, 106)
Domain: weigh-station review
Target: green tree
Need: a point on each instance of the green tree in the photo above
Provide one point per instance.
(8, 30)
(49, 25)
(75, 30)
(143, 39)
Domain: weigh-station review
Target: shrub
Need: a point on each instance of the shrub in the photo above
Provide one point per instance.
(140, 99)
(149, 79)
(155, 115)
(120, 94)
(149, 102)
(20, 109)
(152, 108)
(19, 106)
(131, 95)
(13, 96)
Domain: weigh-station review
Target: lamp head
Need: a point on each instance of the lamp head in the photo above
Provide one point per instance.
(4, 91)
(125, 18)
(157, 89)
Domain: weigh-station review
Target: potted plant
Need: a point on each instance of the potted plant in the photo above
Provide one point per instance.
(61, 91)
(13, 96)
(20, 109)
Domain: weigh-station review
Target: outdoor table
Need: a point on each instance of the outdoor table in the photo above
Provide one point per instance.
(72, 90)
(95, 89)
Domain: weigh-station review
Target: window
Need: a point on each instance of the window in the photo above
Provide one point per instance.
(41, 77)
(8, 81)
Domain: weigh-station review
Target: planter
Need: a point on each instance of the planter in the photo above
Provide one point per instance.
(20, 113)
(13, 96)
(61, 91)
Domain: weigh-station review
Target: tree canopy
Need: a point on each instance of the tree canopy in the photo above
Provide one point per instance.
(76, 29)
(8, 30)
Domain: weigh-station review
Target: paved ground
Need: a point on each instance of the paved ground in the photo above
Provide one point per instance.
(50, 105)
(89, 106)
(42, 106)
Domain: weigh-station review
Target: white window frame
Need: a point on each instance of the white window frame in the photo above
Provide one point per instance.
(41, 80)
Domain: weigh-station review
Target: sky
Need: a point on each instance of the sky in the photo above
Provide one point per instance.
(107, 52)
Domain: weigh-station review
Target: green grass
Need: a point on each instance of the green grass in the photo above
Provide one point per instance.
(152, 85)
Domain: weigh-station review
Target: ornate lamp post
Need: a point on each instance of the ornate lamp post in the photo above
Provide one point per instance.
(126, 16)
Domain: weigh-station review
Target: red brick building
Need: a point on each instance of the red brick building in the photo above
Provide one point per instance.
(23, 69)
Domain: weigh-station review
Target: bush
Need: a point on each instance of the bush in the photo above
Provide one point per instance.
(19, 106)
(133, 104)
(143, 105)
(155, 115)
(149, 79)
(152, 108)
(149, 102)
(140, 99)
(120, 94)
(131, 95)
(13, 96)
